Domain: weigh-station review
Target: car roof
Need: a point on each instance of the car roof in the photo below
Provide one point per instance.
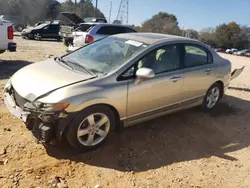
(104, 24)
(150, 38)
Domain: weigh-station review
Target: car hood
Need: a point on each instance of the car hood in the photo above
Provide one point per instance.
(73, 17)
(40, 78)
(28, 30)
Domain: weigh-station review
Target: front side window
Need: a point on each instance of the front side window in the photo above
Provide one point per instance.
(105, 55)
(195, 55)
(164, 59)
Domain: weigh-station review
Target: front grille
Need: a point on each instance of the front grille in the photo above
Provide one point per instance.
(20, 101)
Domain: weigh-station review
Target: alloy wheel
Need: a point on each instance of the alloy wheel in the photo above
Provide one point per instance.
(213, 97)
(93, 129)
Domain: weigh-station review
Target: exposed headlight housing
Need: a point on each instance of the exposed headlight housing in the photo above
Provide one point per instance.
(7, 85)
(51, 107)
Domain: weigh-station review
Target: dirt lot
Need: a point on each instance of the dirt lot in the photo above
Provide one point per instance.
(187, 149)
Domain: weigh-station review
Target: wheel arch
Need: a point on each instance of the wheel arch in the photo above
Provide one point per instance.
(62, 128)
(221, 87)
(118, 125)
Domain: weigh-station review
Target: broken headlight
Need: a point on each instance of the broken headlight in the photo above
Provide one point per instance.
(7, 85)
(51, 107)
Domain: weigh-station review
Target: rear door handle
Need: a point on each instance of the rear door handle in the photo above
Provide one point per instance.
(208, 71)
(175, 78)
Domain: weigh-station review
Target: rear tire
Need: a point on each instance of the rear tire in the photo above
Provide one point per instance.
(31, 36)
(91, 128)
(212, 97)
(65, 42)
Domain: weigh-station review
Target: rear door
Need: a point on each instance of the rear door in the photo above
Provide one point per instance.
(198, 72)
(53, 31)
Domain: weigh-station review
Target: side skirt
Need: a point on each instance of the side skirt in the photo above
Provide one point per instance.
(161, 112)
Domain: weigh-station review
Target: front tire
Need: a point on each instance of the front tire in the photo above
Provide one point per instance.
(19, 28)
(212, 97)
(91, 128)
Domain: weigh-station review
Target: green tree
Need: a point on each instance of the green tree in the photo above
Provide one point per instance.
(162, 23)
(207, 38)
(52, 9)
(84, 8)
(191, 34)
(227, 35)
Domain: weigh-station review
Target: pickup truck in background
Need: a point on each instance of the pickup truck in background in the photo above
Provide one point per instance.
(17, 21)
(67, 30)
(6, 36)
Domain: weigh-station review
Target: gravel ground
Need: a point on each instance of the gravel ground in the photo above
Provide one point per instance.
(186, 149)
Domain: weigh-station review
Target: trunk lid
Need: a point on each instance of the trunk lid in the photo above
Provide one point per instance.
(73, 17)
(79, 38)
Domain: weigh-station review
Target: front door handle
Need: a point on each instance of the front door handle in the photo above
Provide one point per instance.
(175, 78)
(208, 71)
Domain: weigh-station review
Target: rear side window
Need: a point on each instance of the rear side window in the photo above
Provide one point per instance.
(112, 30)
(129, 30)
(85, 27)
(54, 27)
(195, 55)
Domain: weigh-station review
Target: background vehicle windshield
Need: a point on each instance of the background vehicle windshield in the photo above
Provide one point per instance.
(105, 55)
(40, 26)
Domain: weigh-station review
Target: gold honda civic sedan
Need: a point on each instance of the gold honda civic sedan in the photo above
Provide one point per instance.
(116, 82)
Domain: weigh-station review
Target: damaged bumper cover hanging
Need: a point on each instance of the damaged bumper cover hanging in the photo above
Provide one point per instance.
(46, 121)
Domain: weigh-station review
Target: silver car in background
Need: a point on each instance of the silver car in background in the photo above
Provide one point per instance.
(116, 82)
(89, 32)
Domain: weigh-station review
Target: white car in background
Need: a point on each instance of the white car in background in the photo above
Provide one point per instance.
(89, 32)
(242, 52)
(231, 51)
(6, 36)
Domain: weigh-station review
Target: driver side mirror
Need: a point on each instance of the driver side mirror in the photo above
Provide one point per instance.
(145, 73)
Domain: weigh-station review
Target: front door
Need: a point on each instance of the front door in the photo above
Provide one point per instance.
(151, 95)
(198, 72)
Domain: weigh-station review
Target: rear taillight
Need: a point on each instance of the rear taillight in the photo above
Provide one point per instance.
(89, 39)
(10, 32)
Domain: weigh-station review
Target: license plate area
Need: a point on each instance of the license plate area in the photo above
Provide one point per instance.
(14, 109)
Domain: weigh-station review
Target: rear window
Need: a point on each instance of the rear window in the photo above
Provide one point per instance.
(85, 27)
(112, 30)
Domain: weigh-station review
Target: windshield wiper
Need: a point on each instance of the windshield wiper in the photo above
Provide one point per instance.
(80, 66)
(63, 61)
(70, 63)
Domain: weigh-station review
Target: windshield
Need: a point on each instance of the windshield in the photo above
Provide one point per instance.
(40, 26)
(105, 55)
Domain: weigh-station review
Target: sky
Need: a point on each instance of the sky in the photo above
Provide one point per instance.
(195, 14)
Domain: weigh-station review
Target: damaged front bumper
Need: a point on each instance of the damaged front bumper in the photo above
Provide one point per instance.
(45, 126)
